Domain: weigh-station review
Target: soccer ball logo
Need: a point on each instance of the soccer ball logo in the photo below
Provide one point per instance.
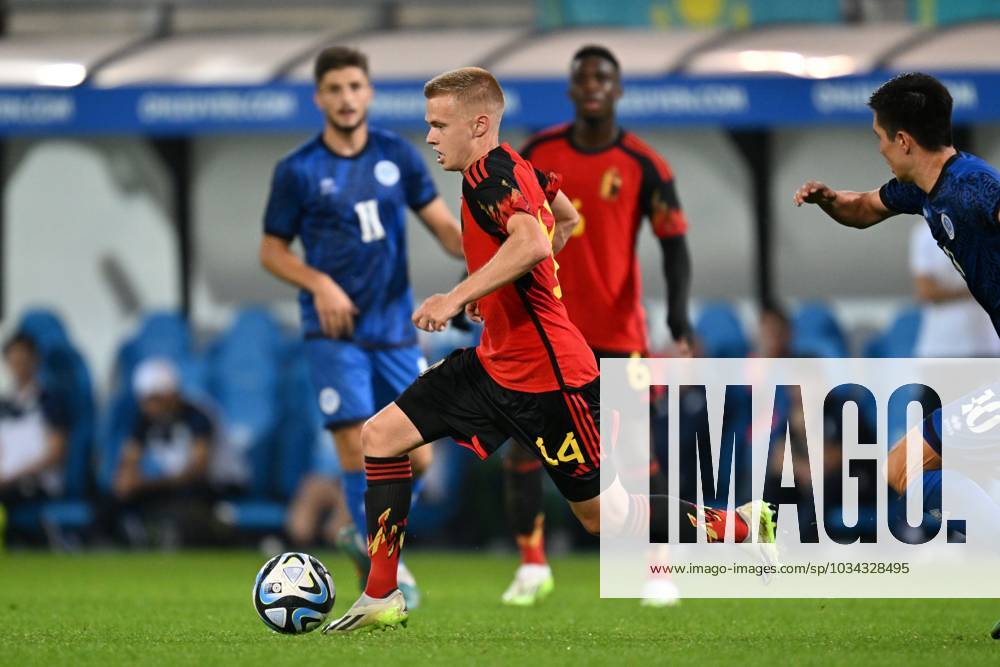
(293, 593)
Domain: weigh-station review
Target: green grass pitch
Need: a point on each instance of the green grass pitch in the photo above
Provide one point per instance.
(194, 609)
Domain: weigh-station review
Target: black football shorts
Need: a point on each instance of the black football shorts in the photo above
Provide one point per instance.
(456, 398)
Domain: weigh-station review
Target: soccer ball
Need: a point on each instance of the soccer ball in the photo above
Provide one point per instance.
(293, 593)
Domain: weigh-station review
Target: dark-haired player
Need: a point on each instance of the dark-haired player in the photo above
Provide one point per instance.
(958, 194)
(344, 194)
(532, 378)
(614, 180)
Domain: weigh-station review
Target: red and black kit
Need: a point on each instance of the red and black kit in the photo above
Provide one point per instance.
(533, 377)
(613, 189)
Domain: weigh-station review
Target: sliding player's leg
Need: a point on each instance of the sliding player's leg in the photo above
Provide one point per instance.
(970, 446)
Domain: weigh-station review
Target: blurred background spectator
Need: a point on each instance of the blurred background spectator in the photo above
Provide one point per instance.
(952, 324)
(162, 476)
(774, 336)
(318, 511)
(34, 429)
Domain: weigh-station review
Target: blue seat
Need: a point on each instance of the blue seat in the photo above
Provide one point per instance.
(279, 463)
(816, 332)
(161, 334)
(44, 327)
(720, 332)
(255, 515)
(242, 375)
(301, 423)
(899, 339)
(63, 373)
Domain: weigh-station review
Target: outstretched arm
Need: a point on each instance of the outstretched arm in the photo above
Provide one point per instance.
(851, 209)
(525, 246)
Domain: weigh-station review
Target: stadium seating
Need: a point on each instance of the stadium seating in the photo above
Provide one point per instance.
(300, 424)
(44, 327)
(278, 463)
(242, 378)
(720, 333)
(160, 334)
(64, 372)
(899, 339)
(816, 332)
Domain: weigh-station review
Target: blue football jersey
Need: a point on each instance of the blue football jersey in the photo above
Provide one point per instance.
(961, 210)
(350, 214)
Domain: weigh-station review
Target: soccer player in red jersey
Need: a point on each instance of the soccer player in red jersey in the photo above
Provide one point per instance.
(614, 180)
(532, 378)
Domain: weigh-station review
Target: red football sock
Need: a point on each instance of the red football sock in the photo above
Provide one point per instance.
(532, 545)
(715, 524)
(650, 513)
(387, 505)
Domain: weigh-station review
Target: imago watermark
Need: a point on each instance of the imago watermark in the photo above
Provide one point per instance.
(801, 477)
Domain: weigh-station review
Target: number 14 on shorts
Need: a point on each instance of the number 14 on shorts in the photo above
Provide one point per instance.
(569, 451)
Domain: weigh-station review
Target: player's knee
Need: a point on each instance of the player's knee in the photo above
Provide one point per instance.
(373, 440)
(591, 523)
(589, 516)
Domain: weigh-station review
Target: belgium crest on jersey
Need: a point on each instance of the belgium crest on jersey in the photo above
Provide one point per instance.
(611, 183)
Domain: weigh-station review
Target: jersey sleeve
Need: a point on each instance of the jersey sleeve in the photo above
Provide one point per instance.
(658, 198)
(494, 200)
(983, 197)
(284, 205)
(550, 182)
(902, 197)
(417, 183)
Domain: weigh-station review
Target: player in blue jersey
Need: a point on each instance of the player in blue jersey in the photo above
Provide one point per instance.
(958, 194)
(344, 195)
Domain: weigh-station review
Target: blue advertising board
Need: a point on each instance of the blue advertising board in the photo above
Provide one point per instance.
(668, 101)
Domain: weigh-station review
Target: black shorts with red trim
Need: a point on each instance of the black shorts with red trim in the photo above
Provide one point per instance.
(457, 398)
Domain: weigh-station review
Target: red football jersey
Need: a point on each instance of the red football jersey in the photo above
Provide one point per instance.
(528, 343)
(613, 189)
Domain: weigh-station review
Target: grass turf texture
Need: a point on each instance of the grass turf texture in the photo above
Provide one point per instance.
(194, 608)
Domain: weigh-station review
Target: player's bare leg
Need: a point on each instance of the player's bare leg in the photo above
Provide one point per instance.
(387, 438)
(315, 498)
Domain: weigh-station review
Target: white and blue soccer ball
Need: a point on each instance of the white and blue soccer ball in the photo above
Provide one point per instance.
(293, 593)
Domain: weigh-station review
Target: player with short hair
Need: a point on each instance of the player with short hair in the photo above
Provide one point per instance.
(344, 194)
(532, 378)
(958, 194)
(614, 180)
